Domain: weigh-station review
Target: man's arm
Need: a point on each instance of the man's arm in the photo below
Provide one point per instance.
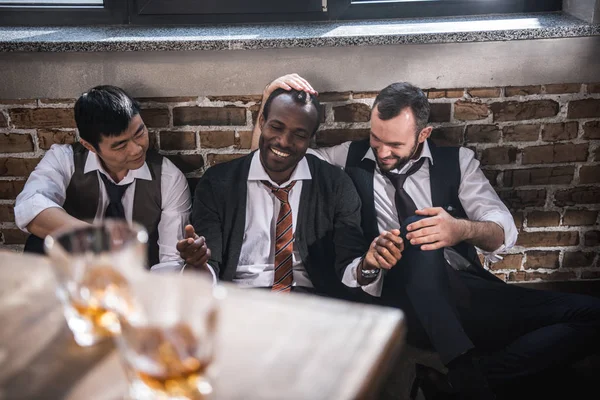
(38, 208)
(287, 82)
(202, 245)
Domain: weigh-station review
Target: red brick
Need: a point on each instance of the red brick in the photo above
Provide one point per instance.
(436, 94)
(509, 261)
(578, 259)
(179, 99)
(214, 159)
(483, 134)
(245, 140)
(580, 217)
(254, 98)
(209, 116)
(10, 189)
(440, 112)
(591, 238)
(484, 92)
(48, 137)
(20, 102)
(354, 112)
(521, 133)
(254, 111)
(333, 96)
(503, 277)
(155, 117)
(587, 108)
(542, 259)
(364, 95)
(560, 131)
(577, 196)
(561, 88)
(11, 166)
(187, 162)
(7, 213)
(448, 136)
(591, 274)
(519, 111)
(70, 102)
(216, 139)
(518, 218)
(548, 239)
(589, 174)
(593, 88)
(597, 154)
(519, 199)
(42, 117)
(470, 111)
(538, 176)
(591, 130)
(543, 218)
(455, 93)
(14, 236)
(555, 153)
(556, 276)
(522, 90)
(332, 137)
(448, 93)
(499, 155)
(177, 140)
(15, 143)
(3, 120)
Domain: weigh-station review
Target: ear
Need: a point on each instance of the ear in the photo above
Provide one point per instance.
(424, 134)
(88, 146)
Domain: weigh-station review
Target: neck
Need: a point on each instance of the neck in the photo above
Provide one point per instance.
(280, 177)
(116, 175)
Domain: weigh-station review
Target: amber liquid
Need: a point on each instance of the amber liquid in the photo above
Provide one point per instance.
(172, 351)
(98, 282)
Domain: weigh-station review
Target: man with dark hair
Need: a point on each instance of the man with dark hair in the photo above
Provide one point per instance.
(278, 218)
(488, 333)
(109, 173)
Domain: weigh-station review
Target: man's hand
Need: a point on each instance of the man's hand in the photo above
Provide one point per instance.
(288, 82)
(193, 249)
(385, 251)
(438, 231)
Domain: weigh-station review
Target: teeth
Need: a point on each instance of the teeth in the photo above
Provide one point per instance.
(279, 153)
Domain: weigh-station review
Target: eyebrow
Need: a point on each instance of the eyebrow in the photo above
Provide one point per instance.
(120, 142)
(387, 143)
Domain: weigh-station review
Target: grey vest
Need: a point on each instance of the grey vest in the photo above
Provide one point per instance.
(84, 191)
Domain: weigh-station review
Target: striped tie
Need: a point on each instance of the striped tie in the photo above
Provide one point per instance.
(284, 242)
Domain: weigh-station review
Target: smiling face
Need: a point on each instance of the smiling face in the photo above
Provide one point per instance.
(124, 152)
(395, 141)
(285, 136)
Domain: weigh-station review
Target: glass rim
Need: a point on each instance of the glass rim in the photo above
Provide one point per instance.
(51, 241)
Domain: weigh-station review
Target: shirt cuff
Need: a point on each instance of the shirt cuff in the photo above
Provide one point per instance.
(349, 279)
(27, 210)
(506, 222)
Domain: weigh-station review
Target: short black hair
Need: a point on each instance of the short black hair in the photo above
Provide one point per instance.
(104, 111)
(400, 95)
(299, 97)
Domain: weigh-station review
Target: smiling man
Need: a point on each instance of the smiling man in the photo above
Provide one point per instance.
(109, 173)
(279, 218)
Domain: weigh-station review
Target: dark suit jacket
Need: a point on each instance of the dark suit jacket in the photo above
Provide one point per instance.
(328, 231)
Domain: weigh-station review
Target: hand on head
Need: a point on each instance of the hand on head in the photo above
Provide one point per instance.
(385, 250)
(289, 82)
(193, 249)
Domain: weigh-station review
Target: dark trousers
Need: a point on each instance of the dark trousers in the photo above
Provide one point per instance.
(518, 331)
(34, 245)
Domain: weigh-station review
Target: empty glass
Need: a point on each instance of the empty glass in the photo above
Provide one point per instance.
(168, 331)
(90, 263)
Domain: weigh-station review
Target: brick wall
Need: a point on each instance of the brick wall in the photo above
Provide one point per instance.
(539, 146)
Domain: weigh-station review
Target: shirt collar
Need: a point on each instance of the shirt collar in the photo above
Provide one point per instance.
(257, 171)
(92, 163)
(425, 153)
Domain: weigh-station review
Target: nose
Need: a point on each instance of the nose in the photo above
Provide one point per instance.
(135, 149)
(383, 151)
(285, 140)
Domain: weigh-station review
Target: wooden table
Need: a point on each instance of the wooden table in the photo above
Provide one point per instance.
(311, 347)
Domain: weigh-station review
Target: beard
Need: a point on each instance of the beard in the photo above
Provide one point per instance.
(399, 160)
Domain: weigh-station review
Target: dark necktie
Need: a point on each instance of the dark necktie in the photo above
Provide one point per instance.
(404, 204)
(115, 195)
(284, 240)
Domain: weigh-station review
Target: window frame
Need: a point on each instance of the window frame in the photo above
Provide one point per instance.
(125, 12)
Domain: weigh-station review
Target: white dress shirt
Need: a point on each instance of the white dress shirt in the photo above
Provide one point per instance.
(47, 188)
(476, 195)
(257, 257)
